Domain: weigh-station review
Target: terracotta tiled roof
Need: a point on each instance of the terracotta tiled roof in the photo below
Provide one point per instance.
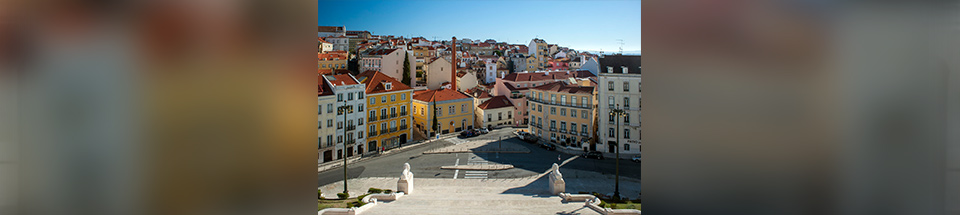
(376, 82)
(540, 76)
(496, 102)
(477, 93)
(328, 56)
(439, 95)
(320, 39)
(322, 88)
(329, 28)
(341, 80)
(565, 88)
(382, 52)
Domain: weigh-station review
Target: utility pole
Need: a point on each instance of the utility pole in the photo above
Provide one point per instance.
(617, 112)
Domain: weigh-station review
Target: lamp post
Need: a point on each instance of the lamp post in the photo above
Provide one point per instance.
(617, 113)
(343, 109)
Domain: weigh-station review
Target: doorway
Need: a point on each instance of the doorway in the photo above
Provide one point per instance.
(613, 146)
(327, 156)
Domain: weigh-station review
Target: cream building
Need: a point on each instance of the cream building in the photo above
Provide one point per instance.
(496, 112)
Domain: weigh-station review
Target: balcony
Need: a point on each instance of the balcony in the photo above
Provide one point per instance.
(585, 134)
(382, 117)
(553, 129)
(403, 113)
(393, 115)
(574, 132)
(372, 133)
(372, 118)
(351, 141)
(351, 128)
(384, 131)
(394, 129)
(563, 130)
(403, 127)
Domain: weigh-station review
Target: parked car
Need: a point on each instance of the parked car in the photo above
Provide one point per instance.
(468, 133)
(484, 130)
(548, 146)
(594, 155)
(636, 158)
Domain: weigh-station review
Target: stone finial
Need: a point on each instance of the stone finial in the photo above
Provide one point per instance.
(557, 185)
(405, 184)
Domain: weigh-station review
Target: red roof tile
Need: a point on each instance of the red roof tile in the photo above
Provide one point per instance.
(439, 95)
(322, 88)
(496, 102)
(376, 82)
(341, 80)
(565, 88)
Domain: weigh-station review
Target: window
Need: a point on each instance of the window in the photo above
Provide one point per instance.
(626, 86)
(403, 97)
(489, 118)
(610, 86)
(553, 111)
(349, 96)
(583, 101)
(361, 95)
(373, 114)
(339, 139)
(509, 114)
(573, 99)
(626, 147)
(421, 111)
(626, 134)
(453, 109)
(626, 102)
(540, 108)
(563, 125)
(583, 128)
(339, 97)
(373, 100)
(383, 113)
(540, 96)
(439, 111)
(583, 114)
(563, 112)
(553, 98)
(393, 111)
(403, 110)
(403, 123)
(393, 97)
(563, 99)
(610, 132)
(329, 108)
(359, 134)
(610, 101)
(329, 123)
(500, 116)
(373, 128)
(553, 124)
(573, 127)
(624, 69)
(609, 69)
(463, 108)
(329, 139)
(626, 118)
(388, 86)
(611, 118)
(573, 113)
(383, 99)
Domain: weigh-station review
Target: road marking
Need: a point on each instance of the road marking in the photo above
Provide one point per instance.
(456, 172)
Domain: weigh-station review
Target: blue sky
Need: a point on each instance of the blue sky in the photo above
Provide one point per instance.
(582, 25)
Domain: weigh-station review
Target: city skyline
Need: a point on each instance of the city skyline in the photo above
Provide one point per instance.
(504, 21)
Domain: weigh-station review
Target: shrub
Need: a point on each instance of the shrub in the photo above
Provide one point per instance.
(374, 190)
(343, 195)
(319, 194)
(360, 198)
(612, 205)
(602, 204)
(387, 191)
(355, 204)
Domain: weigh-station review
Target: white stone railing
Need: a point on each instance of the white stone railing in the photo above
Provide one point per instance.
(595, 205)
(576, 197)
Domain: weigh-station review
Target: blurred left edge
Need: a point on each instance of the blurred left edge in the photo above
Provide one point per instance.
(157, 107)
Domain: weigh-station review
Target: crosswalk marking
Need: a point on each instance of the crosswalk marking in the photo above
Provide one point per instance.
(476, 160)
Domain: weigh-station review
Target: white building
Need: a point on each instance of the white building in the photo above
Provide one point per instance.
(350, 114)
(590, 64)
(496, 112)
(340, 43)
(491, 73)
(619, 86)
(389, 62)
(326, 117)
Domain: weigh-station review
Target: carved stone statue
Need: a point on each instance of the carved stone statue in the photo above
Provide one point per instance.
(405, 184)
(557, 185)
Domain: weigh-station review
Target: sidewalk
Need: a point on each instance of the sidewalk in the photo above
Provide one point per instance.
(338, 163)
(481, 146)
(579, 151)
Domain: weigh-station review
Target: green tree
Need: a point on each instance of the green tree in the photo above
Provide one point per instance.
(436, 122)
(406, 70)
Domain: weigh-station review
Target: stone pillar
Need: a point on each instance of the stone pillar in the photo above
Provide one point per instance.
(405, 184)
(557, 185)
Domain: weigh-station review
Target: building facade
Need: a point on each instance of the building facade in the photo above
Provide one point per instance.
(619, 86)
(326, 117)
(388, 104)
(438, 71)
(351, 114)
(563, 113)
(496, 112)
(389, 62)
(453, 110)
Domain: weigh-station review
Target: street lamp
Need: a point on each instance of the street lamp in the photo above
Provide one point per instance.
(343, 109)
(617, 113)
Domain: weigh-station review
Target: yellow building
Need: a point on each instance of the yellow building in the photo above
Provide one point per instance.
(454, 111)
(563, 113)
(332, 60)
(388, 101)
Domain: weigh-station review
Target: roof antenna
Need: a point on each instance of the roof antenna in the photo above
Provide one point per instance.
(621, 46)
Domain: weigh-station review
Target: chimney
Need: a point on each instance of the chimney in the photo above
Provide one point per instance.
(453, 63)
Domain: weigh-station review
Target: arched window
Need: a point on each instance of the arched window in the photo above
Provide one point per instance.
(626, 147)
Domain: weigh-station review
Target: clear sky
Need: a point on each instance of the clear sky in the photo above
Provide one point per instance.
(581, 25)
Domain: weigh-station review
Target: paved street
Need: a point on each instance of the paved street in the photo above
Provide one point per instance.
(526, 164)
